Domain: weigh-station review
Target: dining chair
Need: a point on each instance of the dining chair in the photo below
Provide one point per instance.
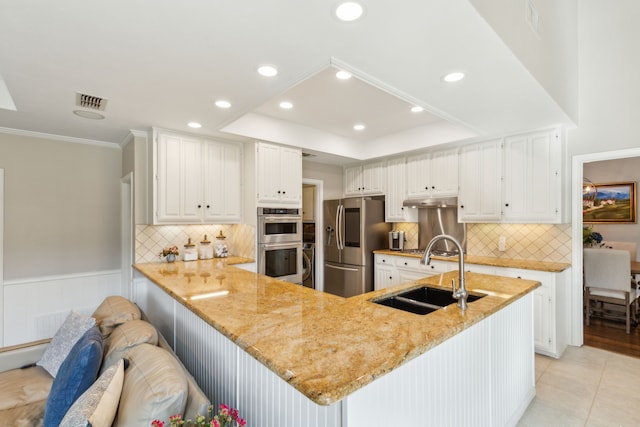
(632, 247)
(607, 280)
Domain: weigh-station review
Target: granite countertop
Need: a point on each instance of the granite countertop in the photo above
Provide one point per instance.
(323, 345)
(553, 267)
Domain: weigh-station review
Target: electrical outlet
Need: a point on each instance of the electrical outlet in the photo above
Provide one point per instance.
(502, 244)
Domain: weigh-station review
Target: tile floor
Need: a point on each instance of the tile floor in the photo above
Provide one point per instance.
(586, 387)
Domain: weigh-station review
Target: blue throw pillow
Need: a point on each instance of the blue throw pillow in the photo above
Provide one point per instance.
(76, 374)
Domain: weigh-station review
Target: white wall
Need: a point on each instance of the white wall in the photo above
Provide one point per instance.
(609, 89)
(331, 176)
(62, 206)
(552, 57)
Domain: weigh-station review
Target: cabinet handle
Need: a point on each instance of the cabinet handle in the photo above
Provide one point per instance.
(199, 206)
(208, 206)
(384, 260)
(284, 192)
(433, 187)
(426, 188)
(506, 204)
(405, 263)
(432, 266)
(461, 206)
(278, 191)
(390, 277)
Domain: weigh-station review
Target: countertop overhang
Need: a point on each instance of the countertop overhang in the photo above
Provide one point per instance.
(325, 346)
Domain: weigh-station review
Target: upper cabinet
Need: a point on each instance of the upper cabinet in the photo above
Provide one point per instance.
(514, 179)
(433, 174)
(397, 192)
(366, 179)
(532, 179)
(196, 180)
(279, 175)
(480, 182)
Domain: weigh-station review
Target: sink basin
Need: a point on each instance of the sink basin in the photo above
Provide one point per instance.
(423, 300)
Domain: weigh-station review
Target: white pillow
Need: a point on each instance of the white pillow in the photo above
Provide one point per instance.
(74, 326)
(97, 406)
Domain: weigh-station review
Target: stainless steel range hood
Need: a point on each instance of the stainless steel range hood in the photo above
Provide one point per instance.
(432, 202)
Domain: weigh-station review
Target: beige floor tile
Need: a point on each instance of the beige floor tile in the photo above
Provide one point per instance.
(539, 414)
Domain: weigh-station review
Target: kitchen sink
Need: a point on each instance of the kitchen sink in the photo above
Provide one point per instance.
(423, 300)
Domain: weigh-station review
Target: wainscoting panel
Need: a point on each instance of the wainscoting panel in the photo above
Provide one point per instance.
(35, 308)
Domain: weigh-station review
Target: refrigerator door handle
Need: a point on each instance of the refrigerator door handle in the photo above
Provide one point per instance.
(339, 227)
(341, 268)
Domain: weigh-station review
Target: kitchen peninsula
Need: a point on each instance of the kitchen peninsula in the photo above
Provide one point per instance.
(291, 356)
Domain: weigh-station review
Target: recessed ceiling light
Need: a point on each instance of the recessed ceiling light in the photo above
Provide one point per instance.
(221, 103)
(286, 105)
(194, 125)
(359, 126)
(417, 109)
(349, 11)
(267, 70)
(453, 77)
(88, 114)
(343, 75)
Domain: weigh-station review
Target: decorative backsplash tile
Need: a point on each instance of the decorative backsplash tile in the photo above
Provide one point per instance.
(540, 242)
(150, 239)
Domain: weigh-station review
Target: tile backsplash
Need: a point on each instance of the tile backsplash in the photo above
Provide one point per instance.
(151, 239)
(539, 242)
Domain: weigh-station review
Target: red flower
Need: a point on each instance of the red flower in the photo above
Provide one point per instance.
(157, 423)
(241, 422)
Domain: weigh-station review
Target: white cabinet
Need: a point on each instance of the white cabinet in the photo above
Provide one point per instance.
(366, 179)
(480, 182)
(309, 203)
(433, 174)
(532, 180)
(396, 193)
(551, 308)
(196, 180)
(279, 175)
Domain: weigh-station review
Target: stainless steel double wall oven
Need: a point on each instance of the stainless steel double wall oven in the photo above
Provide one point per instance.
(280, 243)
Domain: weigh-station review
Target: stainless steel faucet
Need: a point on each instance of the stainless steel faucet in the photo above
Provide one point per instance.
(461, 293)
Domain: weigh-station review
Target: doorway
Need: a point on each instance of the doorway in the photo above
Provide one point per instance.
(312, 197)
(127, 228)
(1, 258)
(578, 162)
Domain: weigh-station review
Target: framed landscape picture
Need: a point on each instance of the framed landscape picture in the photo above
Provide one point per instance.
(610, 203)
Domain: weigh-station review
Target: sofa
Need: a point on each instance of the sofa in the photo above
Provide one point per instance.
(112, 368)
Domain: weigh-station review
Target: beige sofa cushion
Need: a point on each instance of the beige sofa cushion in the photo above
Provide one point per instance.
(125, 337)
(154, 387)
(114, 310)
(23, 396)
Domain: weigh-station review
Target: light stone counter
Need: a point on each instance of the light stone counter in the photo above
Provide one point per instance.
(323, 345)
(552, 267)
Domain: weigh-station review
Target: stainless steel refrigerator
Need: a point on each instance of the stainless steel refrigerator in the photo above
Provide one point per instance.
(354, 228)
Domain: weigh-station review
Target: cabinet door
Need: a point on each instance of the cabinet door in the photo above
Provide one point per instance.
(444, 173)
(418, 176)
(179, 180)
(269, 173)
(374, 178)
(353, 181)
(308, 203)
(222, 182)
(480, 174)
(290, 167)
(542, 315)
(385, 276)
(396, 193)
(532, 181)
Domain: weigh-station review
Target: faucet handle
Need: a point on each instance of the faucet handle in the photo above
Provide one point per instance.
(453, 287)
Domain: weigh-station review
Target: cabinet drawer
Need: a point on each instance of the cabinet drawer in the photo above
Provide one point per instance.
(386, 259)
(409, 262)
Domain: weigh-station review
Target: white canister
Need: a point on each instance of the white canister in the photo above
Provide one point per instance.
(205, 250)
(190, 252)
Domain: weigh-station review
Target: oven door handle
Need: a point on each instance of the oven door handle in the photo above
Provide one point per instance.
(281, 245)
(281, 218)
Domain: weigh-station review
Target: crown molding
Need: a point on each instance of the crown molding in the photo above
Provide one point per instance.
(22, 132)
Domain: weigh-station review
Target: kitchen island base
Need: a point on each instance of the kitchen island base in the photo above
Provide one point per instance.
(481, 376)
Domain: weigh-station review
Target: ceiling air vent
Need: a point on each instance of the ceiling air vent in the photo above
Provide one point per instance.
(89, 101)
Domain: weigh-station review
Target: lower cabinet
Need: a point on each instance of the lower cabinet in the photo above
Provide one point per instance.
(391, 270)
(551, 299)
